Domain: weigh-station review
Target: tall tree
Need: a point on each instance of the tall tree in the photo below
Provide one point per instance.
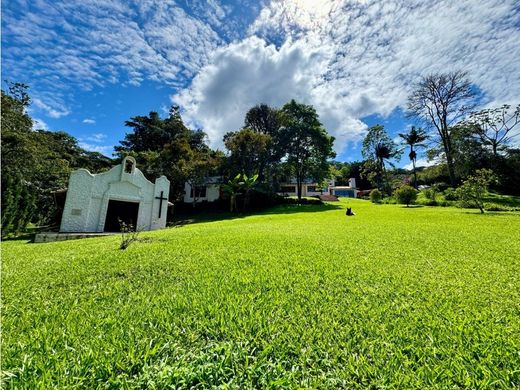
(414, 139)
(307, 144)
(164, 147)
(265, 120)
(262, 119)
(439, 100)
(378, 149)
(249, 151)
(494, 125)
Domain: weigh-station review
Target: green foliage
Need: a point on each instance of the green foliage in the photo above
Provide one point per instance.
(343, 171)
(405, 195)
(431, 193)
(247, 184)
(240, 184)
(232, 188)
(414, 139)
(35, 164)
(165, 146)
(450, 194)
(18, 204)
(474, 189)
(306, 143)
(376, 196)
(378, 148)
(298, 297)
(438, 99)
(250, 151)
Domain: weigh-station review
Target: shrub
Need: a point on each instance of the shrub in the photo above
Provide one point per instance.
(450, 194)
(431, 193)
(473, 190)
(406, 195)
(376, 196)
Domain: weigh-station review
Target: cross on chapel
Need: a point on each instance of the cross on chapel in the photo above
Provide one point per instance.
(161, 198)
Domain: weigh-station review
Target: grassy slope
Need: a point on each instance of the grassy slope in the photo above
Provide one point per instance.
(393, 297)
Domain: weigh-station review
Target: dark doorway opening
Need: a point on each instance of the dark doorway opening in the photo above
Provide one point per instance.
(119, 210)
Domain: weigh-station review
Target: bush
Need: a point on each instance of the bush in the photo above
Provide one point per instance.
(406, 195)
(473, 190)
(388, 200)
(450, 194)
(376, 196)
(431, 193)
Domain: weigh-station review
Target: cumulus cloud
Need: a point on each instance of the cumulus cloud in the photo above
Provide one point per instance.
(348, 58)
(351, 59)
(94, 143)
(97, 137)
(251, 72)
(89, 121)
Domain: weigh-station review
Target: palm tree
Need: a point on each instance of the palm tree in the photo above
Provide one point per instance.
(384, 152)
(414, 139)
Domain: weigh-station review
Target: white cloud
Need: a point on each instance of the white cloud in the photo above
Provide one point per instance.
(351, 59)
(89, 121)
(103, 149)
(53, 112)
(421, 162)
(59, 47)
(96, 138)
(251, 72)
(39, 124)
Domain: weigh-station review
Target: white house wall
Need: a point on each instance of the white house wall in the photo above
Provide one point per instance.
(212, 193)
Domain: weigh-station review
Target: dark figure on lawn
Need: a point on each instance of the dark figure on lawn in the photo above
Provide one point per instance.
(349, 212)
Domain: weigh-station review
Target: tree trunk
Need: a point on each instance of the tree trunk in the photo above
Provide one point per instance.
(414, 174)
(446, 143)
(451, 171)
(232, 202)
(299, 187)
(385, 179)
(246, 201)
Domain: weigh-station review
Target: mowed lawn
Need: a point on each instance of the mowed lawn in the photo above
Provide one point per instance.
(298, 297)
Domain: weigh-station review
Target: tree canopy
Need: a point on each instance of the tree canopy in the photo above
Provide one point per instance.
(35, 164)
(166, 146)
(378, 148)
(306, 143)
(440, 100)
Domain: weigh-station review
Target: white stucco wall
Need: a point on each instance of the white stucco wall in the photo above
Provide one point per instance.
(88, 196)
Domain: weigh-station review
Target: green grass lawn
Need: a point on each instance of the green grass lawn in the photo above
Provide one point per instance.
(301, 296)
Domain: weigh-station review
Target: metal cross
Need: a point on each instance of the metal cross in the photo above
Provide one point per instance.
(161, 198)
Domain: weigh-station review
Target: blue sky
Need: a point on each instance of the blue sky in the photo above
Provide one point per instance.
(93, 64)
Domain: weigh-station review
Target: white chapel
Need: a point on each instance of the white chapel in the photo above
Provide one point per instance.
(98, 202)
